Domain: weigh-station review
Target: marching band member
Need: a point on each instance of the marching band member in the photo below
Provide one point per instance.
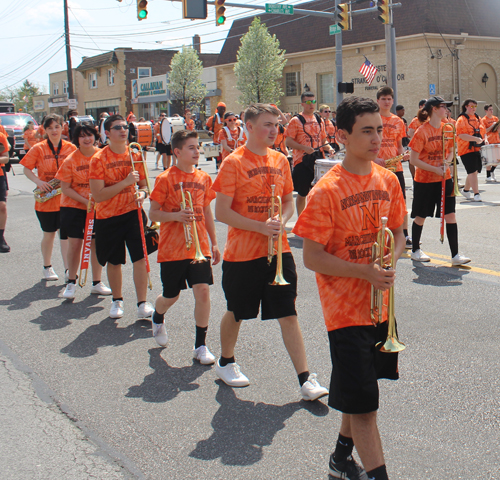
(180, 265)
(29, 136)
(161, 148)
(214, 126)
(231, 136)
(47, 156)
(4, 158)
(341, 208)
(74, 177)
(470, 135)
(243, 188)
(189, 121)
(112, 182)
(324, 111)
(489, 121)
(392, 142)
(427, 156)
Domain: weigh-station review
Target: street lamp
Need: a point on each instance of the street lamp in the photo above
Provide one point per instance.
(485, 79)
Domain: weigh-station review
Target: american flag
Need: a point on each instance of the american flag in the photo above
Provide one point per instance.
(368, 70)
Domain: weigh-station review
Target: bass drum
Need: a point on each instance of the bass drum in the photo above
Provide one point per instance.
(142, 133)
(169, 126)
(88, 119)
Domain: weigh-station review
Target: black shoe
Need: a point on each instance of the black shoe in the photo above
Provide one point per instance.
(4, 248)
(347, 469)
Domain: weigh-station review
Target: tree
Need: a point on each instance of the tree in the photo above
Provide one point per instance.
(259, 66)
(22, 96)
(185, 78)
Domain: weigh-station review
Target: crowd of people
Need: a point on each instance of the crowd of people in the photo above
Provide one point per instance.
(338, 219)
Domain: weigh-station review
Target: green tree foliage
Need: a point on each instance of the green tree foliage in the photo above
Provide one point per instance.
(259, 66)
(185, 78)
(22, 96)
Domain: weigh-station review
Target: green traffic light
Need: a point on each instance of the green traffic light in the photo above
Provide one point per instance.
(143, 14)
(221, 20)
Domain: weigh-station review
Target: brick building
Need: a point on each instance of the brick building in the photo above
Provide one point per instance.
(450, 48)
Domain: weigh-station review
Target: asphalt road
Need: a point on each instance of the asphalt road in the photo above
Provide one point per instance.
(161, 416)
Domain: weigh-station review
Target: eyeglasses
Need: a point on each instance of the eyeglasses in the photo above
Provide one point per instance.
(326, 111)
(443, 106)
(231, 120)
(120, 127)
(309, 102)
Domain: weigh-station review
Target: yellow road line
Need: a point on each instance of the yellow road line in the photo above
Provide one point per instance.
(448, 263)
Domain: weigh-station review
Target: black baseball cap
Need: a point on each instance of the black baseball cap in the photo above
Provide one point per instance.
(435, 101)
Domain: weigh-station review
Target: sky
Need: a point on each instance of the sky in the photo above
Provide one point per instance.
(32, 36)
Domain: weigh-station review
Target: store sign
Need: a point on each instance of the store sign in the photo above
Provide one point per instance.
(38, 104)
(150, 89)
(380, 79)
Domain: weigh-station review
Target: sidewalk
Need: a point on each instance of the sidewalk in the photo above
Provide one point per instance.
(38, 440)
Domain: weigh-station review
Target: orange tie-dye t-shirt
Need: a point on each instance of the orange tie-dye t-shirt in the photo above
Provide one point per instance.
(467, 126)
(65, 130)
(75, 171)
(415, 124)
(234, 142)
(311, 134)
(343, 213)
(2, 130)
(156, 129)
(247, 179)
(428, 143)
(5, 142)
(167, 192)
(215, 124)
(113, 168)
(42, 158)
(486, 122)
(29, 139)
(394, 131)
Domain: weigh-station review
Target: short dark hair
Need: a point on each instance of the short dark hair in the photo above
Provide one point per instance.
(72, 112)
(109, 121)
(399, 107)
(487, 106)
(84, 128)
(257, 109)
(422, 103)
(306, 95)
(385, 90)
(353, 107)
(47, 121)
(180, 137)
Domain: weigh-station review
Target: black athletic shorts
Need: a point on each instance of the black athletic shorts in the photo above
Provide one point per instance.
(161, 148)
(427, 199)
(168, 149)
(302, 177)
(175, 274)
(356, 366)
(3, 188)
(51, 222)
(113, 234)
(472, 162)
(73, 221)
(246, 287)
(401, 178)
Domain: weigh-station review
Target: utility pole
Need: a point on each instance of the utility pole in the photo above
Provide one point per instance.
(69, 69)
(338, 60)
(390, 56)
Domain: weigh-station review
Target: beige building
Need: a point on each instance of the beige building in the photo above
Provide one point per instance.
(58, 92)
(443, 48)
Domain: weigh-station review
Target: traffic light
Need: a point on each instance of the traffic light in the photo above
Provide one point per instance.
(220, 11)
(142, 12)
(384, 7)
(344, 16)
(194, 9)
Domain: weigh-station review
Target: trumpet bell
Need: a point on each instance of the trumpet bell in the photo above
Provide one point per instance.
(279, 279)
(391, 345)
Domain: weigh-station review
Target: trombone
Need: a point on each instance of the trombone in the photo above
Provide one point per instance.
(385, 239)
(279, 279)
(447, 136)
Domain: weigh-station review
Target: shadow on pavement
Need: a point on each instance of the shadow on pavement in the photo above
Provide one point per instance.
(61, 315)
(106, 334)
(242, 428)
(166, 382)
(296, 242)
(42, 290)
(438, 276)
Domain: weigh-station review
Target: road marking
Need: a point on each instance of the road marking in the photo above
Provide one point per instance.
(448, 264)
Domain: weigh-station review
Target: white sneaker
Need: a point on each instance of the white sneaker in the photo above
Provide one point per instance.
(66, 276)
(203, 355)
(145, 310)
(231, 375)
(493, 177)
(490, 179)
(312, 390)
(100, 289)
(160, 334)
(49, 274)
(477, 198)
(467, 195)
(69, 291)
(420, 256)
(459, 260)
(116, 310)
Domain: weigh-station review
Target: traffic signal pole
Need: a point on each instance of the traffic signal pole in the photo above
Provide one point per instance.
(338, 60)
(69, 68)
(390, 57)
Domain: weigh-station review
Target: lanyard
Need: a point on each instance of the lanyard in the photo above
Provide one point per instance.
(56, 154)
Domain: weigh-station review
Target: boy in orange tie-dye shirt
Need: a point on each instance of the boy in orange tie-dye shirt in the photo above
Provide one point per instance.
(177, 261)
(339, 226)
(244, 188)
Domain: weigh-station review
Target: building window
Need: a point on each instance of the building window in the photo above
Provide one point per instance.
(144, 72)
(65, 86)
(111, 76)
(292, 80)
(325, 88)
(55, 88)
(93, 80)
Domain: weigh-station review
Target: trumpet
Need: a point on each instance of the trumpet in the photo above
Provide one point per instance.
(385, 239)
(187, 228)
(279, 279)
(199, 257)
